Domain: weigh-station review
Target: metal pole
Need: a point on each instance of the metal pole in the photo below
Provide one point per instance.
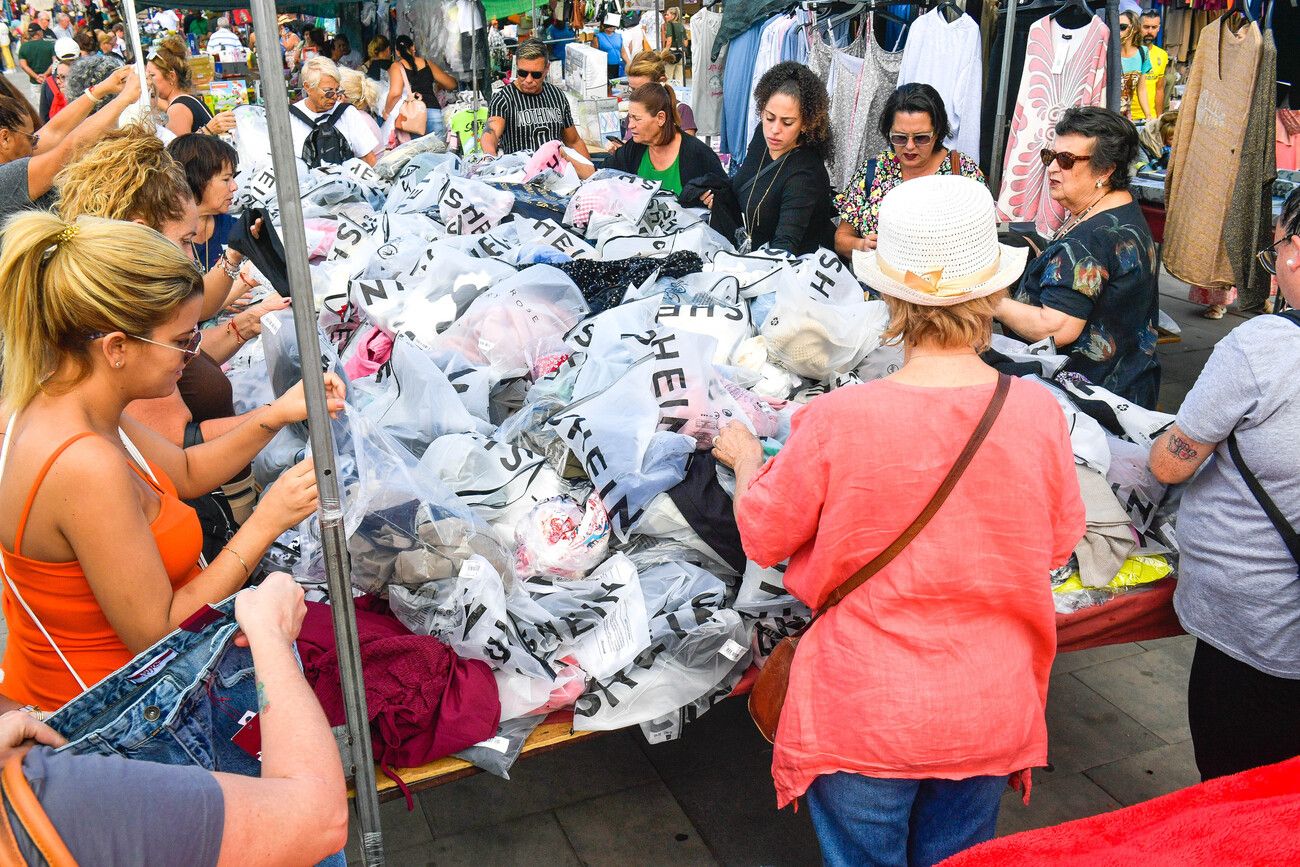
(1000, 120)
(133, 29)
(333, 538)
(1114, 72)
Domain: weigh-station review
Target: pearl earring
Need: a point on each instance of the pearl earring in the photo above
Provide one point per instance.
(119, 364)
(1098, 184)
(1290, 263)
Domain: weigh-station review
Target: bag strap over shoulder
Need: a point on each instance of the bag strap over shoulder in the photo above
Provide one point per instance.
(302, 115)
(20, 798)
(885, 557)
(954, 161)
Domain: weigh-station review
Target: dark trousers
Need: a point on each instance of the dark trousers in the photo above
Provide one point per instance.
(1240, 717)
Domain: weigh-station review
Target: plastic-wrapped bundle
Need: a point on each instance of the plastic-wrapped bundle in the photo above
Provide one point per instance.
(817, 339)
(559, 538)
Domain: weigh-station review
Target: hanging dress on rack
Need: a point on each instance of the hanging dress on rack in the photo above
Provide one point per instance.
(946, 55)
(860, 80)
(1063, 68)
(706, 85)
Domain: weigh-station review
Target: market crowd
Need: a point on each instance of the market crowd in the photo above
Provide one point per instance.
(130, 280)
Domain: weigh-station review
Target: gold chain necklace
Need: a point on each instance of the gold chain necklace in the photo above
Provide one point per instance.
(1074, 221)
(776, 174)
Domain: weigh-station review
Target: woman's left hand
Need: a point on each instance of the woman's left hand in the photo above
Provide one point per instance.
(222, 123)
(291, 406)
(737, 445)
(20, 731)
(248, 322)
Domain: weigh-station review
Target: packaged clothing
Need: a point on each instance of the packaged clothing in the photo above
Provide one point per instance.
(948, 56)
(708, 509)
(180, 702)
(850, 666)
(604, 283)
(559, 538)
(1062, 68)
(818, 340)
(424, 702)
(1109, 539)
(266, 251)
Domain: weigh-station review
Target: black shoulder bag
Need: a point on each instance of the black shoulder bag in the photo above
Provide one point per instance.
(1283, 526)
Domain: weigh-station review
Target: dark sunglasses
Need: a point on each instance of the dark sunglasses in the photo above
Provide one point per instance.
(333, 93)
(900, 139)
(189, 350)
(1123, 27)
(1268, 256)
(1064, 159)
(528, 73)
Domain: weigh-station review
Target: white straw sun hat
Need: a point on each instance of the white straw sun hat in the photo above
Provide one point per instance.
(937, 244)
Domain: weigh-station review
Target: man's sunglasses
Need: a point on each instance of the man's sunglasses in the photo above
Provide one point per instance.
(1064, 159)
(528, 73)
(900, 139)
(332, 93)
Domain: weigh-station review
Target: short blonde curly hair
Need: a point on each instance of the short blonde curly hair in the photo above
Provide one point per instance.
(126, 175)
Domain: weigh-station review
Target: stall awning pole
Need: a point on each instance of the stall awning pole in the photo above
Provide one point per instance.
(1114, 72)
(133, 30)
(996, 158)
(333, 536)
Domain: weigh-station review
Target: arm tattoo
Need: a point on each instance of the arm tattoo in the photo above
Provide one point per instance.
(262, 704)
(1180, 448)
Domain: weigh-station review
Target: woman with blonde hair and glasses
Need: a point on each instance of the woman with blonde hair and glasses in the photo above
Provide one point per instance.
(101, 555)
(941, 658)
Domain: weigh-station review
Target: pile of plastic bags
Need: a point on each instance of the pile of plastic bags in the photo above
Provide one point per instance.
(534, 365)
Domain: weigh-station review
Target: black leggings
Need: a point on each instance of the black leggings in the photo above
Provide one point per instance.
(1240, 717)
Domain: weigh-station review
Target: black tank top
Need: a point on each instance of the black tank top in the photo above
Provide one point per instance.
(197, 108)
(421, 81)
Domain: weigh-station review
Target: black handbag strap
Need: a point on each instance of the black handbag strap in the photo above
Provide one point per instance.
(1280, 523)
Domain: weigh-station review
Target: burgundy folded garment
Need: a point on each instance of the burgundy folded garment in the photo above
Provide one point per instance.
(424, 701)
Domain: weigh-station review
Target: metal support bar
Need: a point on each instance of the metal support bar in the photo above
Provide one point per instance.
(133, 30)
(1114, 70)
(333, 538)
(1000, 119)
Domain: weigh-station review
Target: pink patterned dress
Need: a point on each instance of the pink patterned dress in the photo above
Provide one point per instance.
(1063, 68)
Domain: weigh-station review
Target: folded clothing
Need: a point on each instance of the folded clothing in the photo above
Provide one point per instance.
(603, 284)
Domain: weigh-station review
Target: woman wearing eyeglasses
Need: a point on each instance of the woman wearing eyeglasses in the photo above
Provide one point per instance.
(1237, 589)
(53, 99)
(93, 534)
(1135, 61)
(915, 124)
(1093, 288)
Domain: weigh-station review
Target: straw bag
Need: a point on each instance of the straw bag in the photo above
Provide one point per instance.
(768, 695)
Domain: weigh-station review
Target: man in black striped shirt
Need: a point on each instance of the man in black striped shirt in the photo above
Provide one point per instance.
(531, 111)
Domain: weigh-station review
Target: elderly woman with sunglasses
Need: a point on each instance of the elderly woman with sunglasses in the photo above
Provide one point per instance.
(1093, 287)
(321, 84)
(915, 124)
(100, 552)
(1237, 589)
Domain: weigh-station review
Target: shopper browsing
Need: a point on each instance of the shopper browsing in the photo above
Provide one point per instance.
(675, 44)
(659, 150)
(223, 38)
(915, 124)
(170, 79)
(610, 40)
(296, 812)
(1093, 288)
(100, 313)
(1135, 62)
(1237, 589)
(782, 194)
(1154, 81)
(530, 111)
(326, 130)
(417, 76)
(896, 724)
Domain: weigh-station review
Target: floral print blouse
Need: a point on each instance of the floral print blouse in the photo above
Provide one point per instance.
(1103, 272)
(860, 207)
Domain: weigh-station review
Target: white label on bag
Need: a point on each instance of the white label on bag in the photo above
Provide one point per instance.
(271, 323)
(497, 744)
(732, 650)
(625, 630)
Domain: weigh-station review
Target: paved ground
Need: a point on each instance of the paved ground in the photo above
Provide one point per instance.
(1116, 716)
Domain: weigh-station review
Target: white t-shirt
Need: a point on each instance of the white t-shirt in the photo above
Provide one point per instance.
(223, 40)
(168, 20)
(352, 124)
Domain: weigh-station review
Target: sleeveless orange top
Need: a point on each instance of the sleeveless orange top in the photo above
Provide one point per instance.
(61, 597)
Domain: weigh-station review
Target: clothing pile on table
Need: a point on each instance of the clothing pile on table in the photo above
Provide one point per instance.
(525, 454)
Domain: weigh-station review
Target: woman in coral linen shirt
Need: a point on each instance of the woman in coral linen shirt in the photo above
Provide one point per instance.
(914, 700)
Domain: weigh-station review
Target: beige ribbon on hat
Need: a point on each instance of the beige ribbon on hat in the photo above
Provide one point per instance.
(932, 282)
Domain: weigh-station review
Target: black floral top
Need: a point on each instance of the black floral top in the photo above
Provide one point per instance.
(860, 207)
(1103, 273)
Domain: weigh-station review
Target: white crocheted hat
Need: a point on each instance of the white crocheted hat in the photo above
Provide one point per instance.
(937, 244)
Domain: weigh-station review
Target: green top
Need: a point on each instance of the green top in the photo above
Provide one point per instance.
(39, 54)
(670, 178)
(677, 30)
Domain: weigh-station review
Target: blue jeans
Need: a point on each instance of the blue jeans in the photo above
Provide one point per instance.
(901, 823)
(435, 125)
(178, 703)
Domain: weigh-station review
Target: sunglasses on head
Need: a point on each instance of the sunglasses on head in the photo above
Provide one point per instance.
(1064, 159)
(528, 73)
(900, 139)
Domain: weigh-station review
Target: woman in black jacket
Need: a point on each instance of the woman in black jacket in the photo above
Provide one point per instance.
(659, 151)
(782, 194)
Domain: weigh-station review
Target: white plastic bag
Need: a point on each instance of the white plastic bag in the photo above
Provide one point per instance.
(817, 339)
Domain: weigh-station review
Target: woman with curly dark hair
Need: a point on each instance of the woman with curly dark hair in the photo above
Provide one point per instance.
(782, 194)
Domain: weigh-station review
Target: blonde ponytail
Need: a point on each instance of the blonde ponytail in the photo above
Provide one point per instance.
(66, 281)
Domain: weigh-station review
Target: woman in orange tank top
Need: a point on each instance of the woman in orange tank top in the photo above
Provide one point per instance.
(100, 554)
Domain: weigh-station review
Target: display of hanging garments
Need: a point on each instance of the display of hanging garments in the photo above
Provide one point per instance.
(946, 56)
(860, 80)
(1063, 68)
(1207, 154)
(736, 100)
(1287, 140)
(706, 85)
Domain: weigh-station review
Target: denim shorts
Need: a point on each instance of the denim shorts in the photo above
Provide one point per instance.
(178, 703)
(435, 124)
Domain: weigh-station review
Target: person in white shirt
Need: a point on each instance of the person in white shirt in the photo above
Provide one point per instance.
(63, 28)
(168, 20)
(321, 83)
(223, 39)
